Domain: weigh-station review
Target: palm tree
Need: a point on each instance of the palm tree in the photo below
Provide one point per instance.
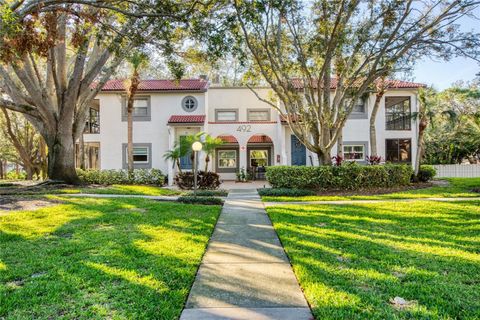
(137, 60)
(175, 154)
(209, 145)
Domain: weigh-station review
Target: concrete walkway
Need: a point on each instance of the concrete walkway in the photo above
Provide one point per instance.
(245, 273)
(102, 195)
(272, 204)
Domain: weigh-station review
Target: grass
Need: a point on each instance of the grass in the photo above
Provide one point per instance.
(458, 187)
(101, 258)
(352, 259)
(125, 190)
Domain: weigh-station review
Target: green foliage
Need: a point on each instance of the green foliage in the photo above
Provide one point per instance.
(200, 200)
(242, 175)
(210, 193)
(205, 180)
(284, 192)
(13, 175)
(426, 173)
(346, 177)
(107, 177)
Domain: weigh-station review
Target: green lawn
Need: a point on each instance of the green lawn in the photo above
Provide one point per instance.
(101, 258)
(125, 189)
(352, 259)
(458, 187)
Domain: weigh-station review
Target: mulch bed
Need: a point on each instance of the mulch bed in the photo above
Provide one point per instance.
(12, 203)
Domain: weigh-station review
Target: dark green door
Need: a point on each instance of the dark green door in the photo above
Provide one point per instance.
(299, 152)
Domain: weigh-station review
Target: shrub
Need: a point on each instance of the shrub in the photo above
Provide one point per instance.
(106, 177)
(205, 180)
(200, 200)
(373, 160)
(210, 193)
(350, 176)
(426, 173)
(13, 175)
(283, 192)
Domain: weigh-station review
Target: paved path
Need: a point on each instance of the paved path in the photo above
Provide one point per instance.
(271, 204)
(245, 273)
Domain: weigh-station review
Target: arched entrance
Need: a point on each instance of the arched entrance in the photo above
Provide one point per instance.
(259, 155)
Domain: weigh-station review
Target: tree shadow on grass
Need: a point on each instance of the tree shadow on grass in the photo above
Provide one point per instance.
(351, 259)
(120, 258)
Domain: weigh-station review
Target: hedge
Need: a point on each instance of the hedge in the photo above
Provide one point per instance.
(106, 177)
(426, 173)
(350, 176)
(200, 200)
(285, 192)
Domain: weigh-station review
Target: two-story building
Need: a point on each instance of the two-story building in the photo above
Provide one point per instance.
(254, 134)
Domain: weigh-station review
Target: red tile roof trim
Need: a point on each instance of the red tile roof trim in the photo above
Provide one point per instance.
(260, 139)
(187, 119)
(228, 139)
(160, 85)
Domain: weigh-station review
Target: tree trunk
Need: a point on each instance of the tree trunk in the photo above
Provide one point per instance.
(29, 172)
(61, 159)
(2, 176)
(177, 161)
(340, 143)
(324, 158)
(418, 156)
(373, 117)
(81, 150)
(207, 160)
(130, 137)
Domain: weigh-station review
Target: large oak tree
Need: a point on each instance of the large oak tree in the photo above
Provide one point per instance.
(55, 56)
(319, 57)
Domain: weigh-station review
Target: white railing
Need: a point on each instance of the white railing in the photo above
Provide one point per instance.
(457, 170)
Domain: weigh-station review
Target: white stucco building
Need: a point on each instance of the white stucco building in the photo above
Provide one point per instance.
(253, 132)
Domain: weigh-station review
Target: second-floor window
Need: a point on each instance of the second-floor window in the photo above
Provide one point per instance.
(93, 122)
(258, 115)
(226, 115)
(141, 109)
(398, 113)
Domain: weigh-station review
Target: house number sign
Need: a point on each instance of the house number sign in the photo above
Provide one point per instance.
(244, 128)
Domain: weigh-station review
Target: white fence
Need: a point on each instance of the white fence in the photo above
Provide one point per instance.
(457, 170)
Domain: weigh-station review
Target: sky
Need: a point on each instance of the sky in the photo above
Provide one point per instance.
(441, 74)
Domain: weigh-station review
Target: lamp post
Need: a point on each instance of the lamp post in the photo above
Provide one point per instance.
(196, 146)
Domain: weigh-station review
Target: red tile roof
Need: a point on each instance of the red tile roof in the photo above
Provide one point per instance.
(392, 84)
(160, 85)
(187, 119)
(228, 139)
(260, 139)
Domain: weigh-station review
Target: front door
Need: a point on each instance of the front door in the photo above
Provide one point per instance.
(299, 152)
(186, 160)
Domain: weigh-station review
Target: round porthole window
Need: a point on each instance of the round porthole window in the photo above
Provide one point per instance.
(189, 103)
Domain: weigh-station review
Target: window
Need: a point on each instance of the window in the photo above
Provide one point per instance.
(258, 115)
(141, 155)
(397, 113)
(93, 122)
(226, 115)
(258, 158)
(359, 106)
(354, 152)
(141, 109)
(227, 159)
(189, 104)
(398, 150)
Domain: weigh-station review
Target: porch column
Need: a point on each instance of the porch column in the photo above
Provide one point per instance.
(243, 157)
(171, 144)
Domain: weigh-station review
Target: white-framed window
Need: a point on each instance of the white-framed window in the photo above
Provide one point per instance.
(140, 107)
(226, 115)
(354, 152)
(227, 159)
(140, 155)
(258, 158)
(189, 104)
(359, 106)
(258, 115)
